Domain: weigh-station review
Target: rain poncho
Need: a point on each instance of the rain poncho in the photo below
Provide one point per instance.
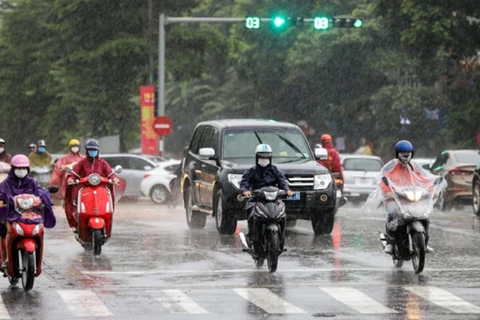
(13, 186)
(401, 177)
(59, 175)
(332, 163)
(38, 159)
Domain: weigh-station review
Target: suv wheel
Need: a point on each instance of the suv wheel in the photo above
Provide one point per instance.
(226, 224)
(476, 198)
(322, 223)
(195, 219)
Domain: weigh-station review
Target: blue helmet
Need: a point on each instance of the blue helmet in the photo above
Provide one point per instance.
(92, 144)
(404, 146)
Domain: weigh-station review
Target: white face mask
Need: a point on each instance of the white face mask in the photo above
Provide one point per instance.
(2, 149)
(263, 162)
(75, 149)
(405, 157)
(21, 173)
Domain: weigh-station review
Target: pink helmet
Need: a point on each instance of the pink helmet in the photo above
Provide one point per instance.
(20, 161)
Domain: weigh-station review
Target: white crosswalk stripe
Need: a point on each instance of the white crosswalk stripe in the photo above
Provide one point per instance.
(178, 302)
(84, 303)
(357, 300)
(444, 299)
(3, 311)
(268, 301)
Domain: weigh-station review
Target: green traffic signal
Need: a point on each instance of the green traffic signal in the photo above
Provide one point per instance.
(358, 23)
(279, 21)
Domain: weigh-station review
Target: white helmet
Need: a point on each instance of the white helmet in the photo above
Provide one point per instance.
(263, 150)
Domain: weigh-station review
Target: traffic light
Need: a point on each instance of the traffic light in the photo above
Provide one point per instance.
(252, 22)
(321, 23)
(279, 22)
(347, 23)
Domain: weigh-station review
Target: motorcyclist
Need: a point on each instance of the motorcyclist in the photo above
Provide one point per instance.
(332, 163)
(92, 163)
(59, 175)
(4, 155)
(400, 171)
(41, 157)
(262, 174)
(32, 147)
(18, 182)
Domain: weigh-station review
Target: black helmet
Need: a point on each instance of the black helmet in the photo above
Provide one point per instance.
(41, 143)
(92, 144)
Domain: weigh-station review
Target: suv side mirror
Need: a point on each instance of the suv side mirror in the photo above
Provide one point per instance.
(321, 154)
(206, 153)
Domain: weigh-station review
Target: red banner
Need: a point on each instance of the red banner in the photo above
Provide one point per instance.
(147, 107)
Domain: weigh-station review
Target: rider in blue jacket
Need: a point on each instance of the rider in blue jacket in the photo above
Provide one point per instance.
(262, 174)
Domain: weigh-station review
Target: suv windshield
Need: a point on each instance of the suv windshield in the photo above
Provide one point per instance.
(287, 145)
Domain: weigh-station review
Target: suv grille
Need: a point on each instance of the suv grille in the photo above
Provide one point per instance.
(300, 183)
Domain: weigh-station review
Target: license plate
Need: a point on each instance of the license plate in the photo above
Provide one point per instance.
(295, 196)
(364, 181)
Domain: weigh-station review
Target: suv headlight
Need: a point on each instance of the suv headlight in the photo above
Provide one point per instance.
(235, 179)
(321, 181)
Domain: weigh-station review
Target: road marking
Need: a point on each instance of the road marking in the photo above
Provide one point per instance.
(83, 303)
(444, 299)
(3, 311)
(357, 300)
(180, 303)
(163, 271)
(268, 301)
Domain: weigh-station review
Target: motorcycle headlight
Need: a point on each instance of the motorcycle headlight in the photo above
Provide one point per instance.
(413, 196)
(321, 181)
(19, 229)
(270, 196)
(94, 179)
(37, 228)
(25, 203)
(235, 179)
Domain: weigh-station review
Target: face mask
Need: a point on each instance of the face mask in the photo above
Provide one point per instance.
(92, 153)
(42, 149)
(75, 149)
(405, 158)
(263, 162)
(2, 149)
(21, 173)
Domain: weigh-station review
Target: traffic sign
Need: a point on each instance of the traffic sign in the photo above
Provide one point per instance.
(478, 138)
(162, 126)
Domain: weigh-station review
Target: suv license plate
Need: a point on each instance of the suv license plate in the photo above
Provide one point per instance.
(296, 196)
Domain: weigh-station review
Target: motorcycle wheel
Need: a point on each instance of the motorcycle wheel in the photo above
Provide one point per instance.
(97, 242)
(28, 270)
(418, 255)
(272, 252)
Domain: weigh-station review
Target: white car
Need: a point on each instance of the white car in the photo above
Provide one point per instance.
(359, 175)
(425, 163)
(156, 182)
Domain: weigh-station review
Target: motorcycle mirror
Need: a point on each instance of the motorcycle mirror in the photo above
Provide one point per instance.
(53, 189)
(385, 180)
(117, 169)
(68, 169)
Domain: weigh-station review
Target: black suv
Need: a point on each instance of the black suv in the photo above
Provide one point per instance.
(221, 150)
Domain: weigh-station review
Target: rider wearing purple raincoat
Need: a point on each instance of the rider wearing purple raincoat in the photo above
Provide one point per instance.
(14, 185)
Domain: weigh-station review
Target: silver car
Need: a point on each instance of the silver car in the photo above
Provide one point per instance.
(359, 175)
(134, 168)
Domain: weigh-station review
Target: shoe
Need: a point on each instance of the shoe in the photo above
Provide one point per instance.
(388, 248)
(74, 230)
(429, 249)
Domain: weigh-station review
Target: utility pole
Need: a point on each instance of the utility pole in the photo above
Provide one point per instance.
(149, 41)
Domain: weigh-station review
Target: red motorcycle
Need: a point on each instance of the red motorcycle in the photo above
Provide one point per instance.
(93, 208)
(24, 243)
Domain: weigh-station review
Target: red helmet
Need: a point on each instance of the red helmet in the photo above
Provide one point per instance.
(326, 138)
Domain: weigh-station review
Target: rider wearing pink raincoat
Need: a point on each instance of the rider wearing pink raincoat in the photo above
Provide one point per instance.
(59, 175)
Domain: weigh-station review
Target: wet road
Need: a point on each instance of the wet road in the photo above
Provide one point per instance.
(154, 267)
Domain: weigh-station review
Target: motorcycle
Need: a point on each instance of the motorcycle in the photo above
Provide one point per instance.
(410, 226)
(95, 207)
(341, 200)
(269, 224)
(24, 242)
(42, 174)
